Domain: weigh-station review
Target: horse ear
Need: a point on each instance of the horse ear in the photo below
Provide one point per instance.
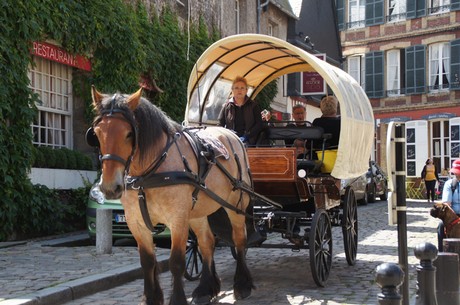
(97, 97)
(133, 100)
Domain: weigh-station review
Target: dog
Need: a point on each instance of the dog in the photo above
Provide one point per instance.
(451, 220)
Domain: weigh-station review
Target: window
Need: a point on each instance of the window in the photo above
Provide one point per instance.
(356, 13)
(374, 74)
(438, 6)
(395, 64)
(455, 64)
(237, 16)
(396, 10)
(440, 143)
(416, 8)
(374, 12)
(454, 140)
(356, 68)
(415, 69)
(439, 66)
(53, 83)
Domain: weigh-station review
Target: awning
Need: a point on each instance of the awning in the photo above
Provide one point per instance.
(261, 59)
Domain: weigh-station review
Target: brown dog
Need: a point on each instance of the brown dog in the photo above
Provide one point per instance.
(448, 217)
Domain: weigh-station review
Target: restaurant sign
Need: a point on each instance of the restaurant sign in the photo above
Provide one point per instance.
(312, 83)
(57, 54)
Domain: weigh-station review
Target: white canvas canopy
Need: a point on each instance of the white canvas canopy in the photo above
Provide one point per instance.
(262, 59)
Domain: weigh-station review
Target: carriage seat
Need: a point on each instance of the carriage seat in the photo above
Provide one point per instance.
(311, 133)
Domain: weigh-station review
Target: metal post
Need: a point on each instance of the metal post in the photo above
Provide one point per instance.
(447, 279)
(401, 208)
(389, 277)
(426, 274)
(103, 231)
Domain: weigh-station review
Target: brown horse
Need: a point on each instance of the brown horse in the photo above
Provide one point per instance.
(153, 165)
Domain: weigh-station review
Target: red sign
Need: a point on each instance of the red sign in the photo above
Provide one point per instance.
(59, 55)
(312, 83)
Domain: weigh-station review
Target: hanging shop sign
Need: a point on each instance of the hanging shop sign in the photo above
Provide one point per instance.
(57, 54)
(312, 83)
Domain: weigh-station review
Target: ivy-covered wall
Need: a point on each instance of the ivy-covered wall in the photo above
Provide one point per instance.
(122, 42)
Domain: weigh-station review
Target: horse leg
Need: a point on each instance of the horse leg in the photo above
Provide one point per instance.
(153, 295)
(177, 264)
(242, 282)
(209, 286)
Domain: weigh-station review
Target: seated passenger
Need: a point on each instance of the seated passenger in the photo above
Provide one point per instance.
(299, 114)
(329, 121)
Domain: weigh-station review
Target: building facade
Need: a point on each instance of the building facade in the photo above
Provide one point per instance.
(406, 56)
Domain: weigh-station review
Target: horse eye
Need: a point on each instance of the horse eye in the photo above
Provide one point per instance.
(130, 135)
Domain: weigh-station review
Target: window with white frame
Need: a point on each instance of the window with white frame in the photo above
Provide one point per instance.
(454, 131)
(438, 6)
(237, 16)
(356, 68)
(53, 84)
(396, 10)
(440, 143)
(356, 13)
(394, 77)
(416, 146)
(439, 56)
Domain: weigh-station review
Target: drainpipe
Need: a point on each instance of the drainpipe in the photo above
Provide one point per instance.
(259, 12)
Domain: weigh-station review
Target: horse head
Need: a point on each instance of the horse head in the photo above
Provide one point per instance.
(115, 133)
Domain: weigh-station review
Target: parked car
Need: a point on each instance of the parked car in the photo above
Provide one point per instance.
(377, 183)
(369, 186)
(120, 228)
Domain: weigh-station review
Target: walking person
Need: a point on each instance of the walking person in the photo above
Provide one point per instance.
(450, 196)
(430, 176)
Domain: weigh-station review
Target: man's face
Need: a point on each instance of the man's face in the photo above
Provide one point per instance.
(299, 114)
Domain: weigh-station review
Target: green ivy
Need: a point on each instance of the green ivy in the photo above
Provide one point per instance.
(122, 42)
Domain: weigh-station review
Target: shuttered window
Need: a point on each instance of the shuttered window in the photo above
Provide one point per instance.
(374, 74)
(455, 64)
(374, 12)
(454, 5)
(415, 69)
(341, 14)
(416, 8)
(396, 10)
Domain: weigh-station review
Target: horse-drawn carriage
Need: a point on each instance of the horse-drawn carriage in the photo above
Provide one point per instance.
(202, 177)
(305, 196)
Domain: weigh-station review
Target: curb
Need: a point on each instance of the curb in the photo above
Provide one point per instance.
(88, 285)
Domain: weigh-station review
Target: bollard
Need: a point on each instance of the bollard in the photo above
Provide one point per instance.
(426, 274)
(447, 279)
(389, 277)
(103, 231)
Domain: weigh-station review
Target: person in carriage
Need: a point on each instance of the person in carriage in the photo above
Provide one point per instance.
(329, 121)
(241, 114)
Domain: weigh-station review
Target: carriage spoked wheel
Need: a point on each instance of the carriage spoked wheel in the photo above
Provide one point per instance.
(193, 259)
(350, 226)
(320, 244)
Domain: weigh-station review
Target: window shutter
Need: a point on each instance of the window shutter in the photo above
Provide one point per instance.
(374, 12)
(454, 5)
(416, 147)
(421, 8)
(341, 14)
(415, 69)
(410, 12)
(374, 74)
(455, 64)
(454, 131)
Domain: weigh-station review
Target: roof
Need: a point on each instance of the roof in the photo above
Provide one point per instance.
(285, 7)
(261, 59)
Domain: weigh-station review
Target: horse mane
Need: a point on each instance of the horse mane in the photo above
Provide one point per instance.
(149, 120)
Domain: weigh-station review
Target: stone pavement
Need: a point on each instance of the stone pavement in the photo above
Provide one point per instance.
(37, 273)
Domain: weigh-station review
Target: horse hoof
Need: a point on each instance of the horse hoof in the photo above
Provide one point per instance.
(241, 294)
(202, 300)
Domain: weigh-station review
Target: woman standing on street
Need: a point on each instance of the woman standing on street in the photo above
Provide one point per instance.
(430, 176)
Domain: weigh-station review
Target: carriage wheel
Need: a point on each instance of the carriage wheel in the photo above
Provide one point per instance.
(320, 244)
(350, 226)
(193, 259)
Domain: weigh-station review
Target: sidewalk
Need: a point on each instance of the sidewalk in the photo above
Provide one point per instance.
(38, 273)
